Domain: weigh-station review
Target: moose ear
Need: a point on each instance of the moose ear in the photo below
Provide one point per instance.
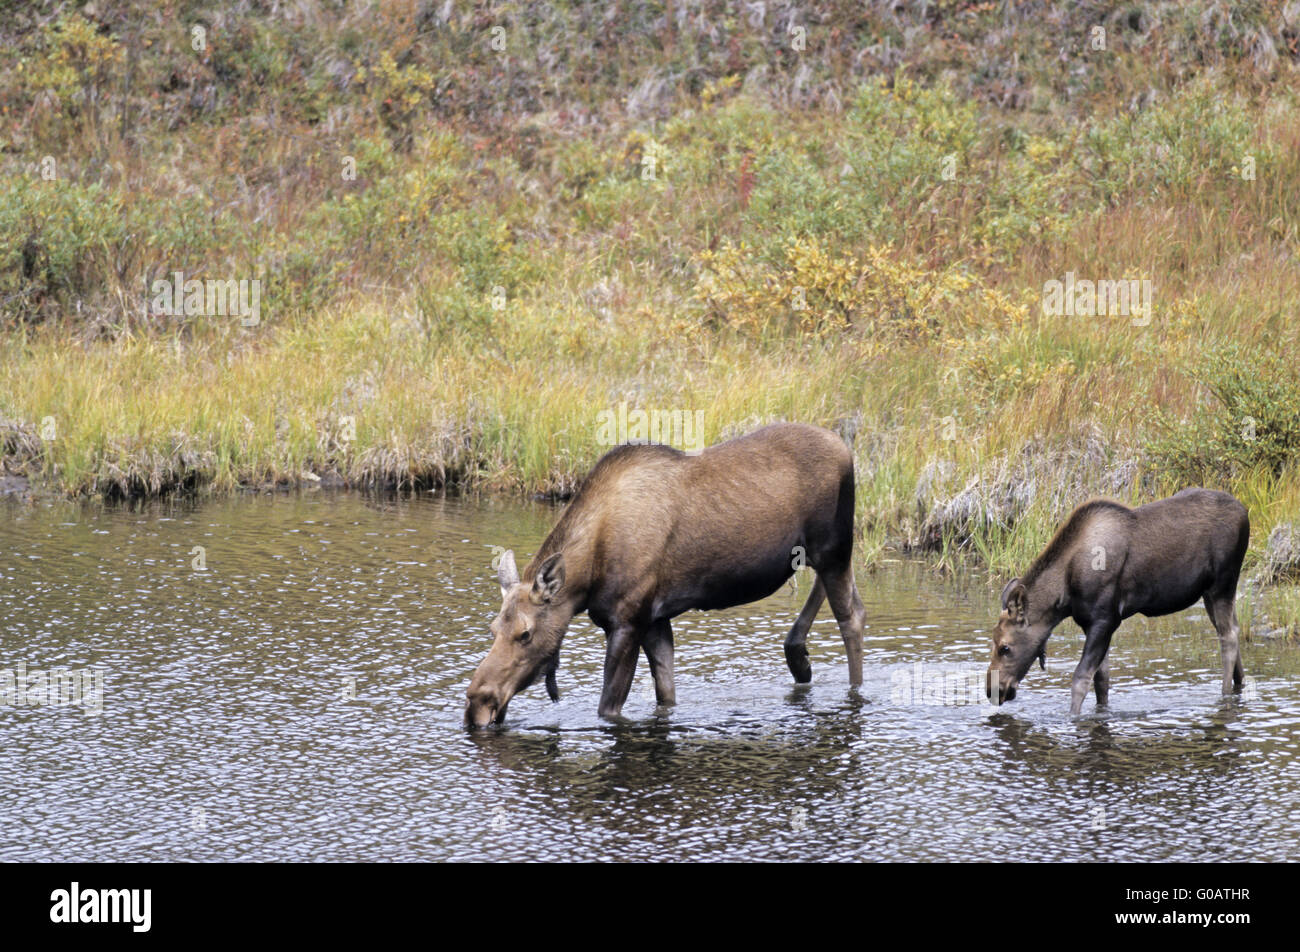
(507, 573)
(549, 580)
(1015, 599)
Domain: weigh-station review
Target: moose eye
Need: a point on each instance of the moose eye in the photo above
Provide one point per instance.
(526, 637)
(1004, 650)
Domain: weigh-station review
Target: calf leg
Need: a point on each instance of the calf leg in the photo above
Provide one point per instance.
(796, 649)
(1095, 646)
(1223, 613)
(621, 648)
(1101, 681)
(842, 592)
(658, 646)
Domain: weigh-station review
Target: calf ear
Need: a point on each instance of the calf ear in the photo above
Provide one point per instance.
(507, 573)
(1015, 600)
(550, 579)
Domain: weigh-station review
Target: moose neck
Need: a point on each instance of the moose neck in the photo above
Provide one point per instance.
(1047, 594)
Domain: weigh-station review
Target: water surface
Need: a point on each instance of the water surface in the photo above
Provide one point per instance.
(299, 697)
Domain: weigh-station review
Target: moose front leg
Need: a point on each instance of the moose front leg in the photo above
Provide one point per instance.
(621, 648)
(658, 645)
(1101, 681)
(1095, 647)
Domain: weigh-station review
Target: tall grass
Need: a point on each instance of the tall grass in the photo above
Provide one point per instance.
(468, 253)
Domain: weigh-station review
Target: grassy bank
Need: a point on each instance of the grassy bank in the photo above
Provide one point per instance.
(848, 214)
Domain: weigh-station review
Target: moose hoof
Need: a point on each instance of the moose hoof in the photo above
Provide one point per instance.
(797, 659)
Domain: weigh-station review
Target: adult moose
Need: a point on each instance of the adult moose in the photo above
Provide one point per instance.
(655, 532)
(1108, 562)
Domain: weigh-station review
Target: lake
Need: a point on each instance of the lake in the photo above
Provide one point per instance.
(283, 678)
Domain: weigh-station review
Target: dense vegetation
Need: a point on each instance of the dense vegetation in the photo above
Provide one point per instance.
(476, 228)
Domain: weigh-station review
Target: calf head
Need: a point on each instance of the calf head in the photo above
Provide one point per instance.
(526, 637)
(1017, 641)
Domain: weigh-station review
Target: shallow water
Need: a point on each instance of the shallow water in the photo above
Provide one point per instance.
(300, 698)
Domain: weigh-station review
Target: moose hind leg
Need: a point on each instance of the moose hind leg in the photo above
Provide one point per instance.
(796, 647)
(842, 592)
(658, 646)
(1223, 614)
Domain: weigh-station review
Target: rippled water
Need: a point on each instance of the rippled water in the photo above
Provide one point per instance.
(300, 698)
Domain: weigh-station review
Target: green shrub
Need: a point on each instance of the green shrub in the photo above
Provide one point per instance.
(1251, 422)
